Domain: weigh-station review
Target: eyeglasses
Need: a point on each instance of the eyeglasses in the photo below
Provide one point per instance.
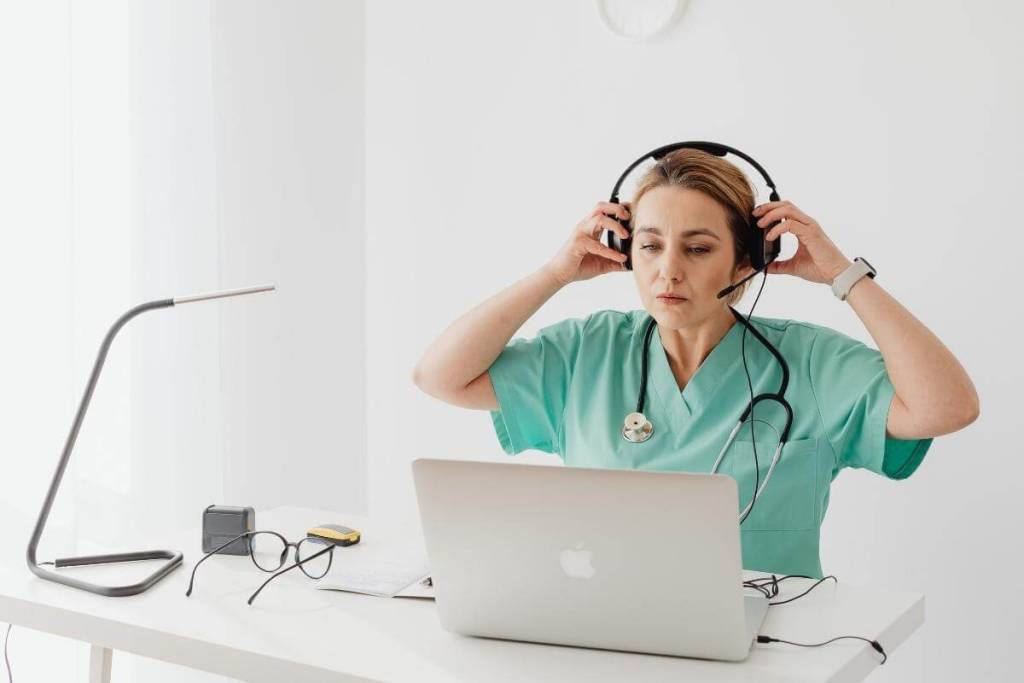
(269, 550)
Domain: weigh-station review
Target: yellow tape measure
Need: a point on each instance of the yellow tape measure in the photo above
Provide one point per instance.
(335, 533)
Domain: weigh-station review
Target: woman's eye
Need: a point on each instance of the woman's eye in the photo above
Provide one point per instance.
(694, 250)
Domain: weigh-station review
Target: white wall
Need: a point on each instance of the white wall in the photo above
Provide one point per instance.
(159, 148)
(288, 85)
(224, 149)
(492, 128)
(35, 281)
(35, 263)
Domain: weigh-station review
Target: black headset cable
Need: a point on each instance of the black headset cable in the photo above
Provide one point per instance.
(768, 586)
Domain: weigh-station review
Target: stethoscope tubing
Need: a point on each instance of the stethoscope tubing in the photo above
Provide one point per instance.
(638, 428)
(771, 467)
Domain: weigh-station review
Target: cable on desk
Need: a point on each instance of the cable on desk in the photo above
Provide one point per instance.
(768, 586)
(874, 643)
(7, 662)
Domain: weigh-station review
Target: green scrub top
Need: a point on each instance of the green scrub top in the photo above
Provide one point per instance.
(567, 391)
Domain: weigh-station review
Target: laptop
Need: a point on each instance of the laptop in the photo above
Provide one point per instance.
(615, 559)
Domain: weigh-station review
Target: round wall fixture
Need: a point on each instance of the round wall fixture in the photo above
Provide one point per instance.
(638, 20)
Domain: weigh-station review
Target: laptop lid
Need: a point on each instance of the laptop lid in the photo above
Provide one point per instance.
(608, 558)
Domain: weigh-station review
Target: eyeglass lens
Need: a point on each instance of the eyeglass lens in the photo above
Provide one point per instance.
(269, 550)
(314, 567)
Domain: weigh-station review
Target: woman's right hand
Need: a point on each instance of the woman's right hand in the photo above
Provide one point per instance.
(583, 256)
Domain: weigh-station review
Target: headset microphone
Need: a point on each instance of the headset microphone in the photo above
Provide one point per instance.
(727, 290)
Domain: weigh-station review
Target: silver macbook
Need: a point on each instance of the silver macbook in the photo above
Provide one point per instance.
(615, 559)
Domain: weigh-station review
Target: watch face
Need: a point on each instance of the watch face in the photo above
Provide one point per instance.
(873, 271)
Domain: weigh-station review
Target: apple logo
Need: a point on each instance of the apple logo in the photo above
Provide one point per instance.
(576, 562)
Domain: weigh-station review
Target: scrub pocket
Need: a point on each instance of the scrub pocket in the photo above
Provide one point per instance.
(789, 501)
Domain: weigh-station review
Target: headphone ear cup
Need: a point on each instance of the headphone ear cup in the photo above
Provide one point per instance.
(762, 252)
(623, 246)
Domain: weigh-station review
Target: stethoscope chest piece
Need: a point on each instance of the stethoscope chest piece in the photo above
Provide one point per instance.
(636, 428)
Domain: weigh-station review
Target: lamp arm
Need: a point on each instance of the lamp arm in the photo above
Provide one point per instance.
(77, 424)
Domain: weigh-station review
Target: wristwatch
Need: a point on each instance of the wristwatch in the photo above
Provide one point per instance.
(844, 282)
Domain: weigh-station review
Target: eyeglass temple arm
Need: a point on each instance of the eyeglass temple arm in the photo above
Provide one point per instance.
(288, 569)
(216, 550)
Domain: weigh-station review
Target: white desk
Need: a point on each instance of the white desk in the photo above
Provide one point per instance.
(293, 632)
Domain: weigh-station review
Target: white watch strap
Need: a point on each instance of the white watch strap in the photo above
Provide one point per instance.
(844, 282)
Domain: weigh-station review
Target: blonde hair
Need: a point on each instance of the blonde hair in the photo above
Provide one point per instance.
(718, 179)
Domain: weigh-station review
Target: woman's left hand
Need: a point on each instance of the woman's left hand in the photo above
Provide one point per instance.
(816, 259)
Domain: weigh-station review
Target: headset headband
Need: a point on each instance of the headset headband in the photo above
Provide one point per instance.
(715, 148)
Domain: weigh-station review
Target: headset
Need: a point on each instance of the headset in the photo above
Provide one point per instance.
(761, 251)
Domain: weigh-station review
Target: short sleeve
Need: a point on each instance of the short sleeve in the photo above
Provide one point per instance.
(854, 393)
(531, 379)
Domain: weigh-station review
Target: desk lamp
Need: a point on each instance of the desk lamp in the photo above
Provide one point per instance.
(173, 557)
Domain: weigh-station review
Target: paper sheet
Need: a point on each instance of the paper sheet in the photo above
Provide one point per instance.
(385, 563)
(382, 581)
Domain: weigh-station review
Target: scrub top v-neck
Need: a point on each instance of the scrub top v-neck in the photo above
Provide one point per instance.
(567, 390)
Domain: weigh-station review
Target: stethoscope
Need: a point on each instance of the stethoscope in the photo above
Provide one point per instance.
(638, 428)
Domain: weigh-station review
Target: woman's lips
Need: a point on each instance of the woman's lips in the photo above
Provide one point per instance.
(672, 299)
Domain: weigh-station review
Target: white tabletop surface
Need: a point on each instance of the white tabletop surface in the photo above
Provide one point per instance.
(295, 632)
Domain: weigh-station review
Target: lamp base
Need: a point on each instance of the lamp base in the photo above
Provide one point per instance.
(173, 558)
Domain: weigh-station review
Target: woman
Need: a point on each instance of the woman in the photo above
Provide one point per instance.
(567, 390)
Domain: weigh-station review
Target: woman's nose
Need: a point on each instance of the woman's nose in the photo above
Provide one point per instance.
(671, 267)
